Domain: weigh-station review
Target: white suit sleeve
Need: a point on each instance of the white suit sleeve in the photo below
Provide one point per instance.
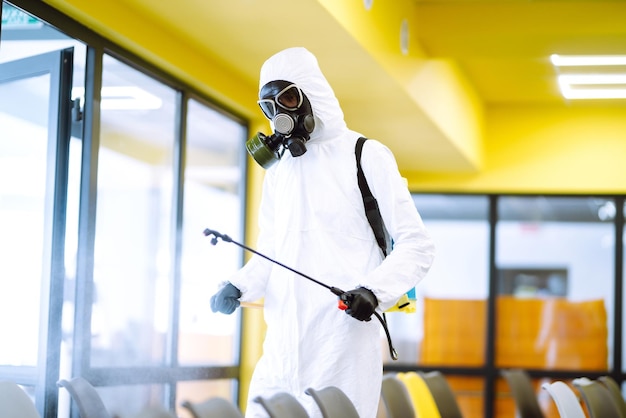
(252, 278)
(413, 248)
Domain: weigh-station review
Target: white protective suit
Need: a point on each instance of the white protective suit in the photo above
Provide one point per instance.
(312, 219)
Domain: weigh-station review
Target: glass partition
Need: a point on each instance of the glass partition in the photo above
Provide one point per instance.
(37, 196)
(454, 289)
(23, 159)
(132, 274)
(68, 190)
(212, 199)
(448, 326)
(555, 258)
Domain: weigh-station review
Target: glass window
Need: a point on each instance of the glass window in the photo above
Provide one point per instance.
(456, 287)
(27, 167)
(134, 224)
(555, 258)
(133, 244)
(23, 159)
(212, 199)
(448, 328)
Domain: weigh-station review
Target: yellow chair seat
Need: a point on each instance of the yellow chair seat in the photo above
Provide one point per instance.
(423, 402)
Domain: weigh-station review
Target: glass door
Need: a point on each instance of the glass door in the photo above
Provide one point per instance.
(35, 111)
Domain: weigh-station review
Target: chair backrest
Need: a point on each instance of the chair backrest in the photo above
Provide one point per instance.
(565, 399)
(86, 397)
(212, 408)
(15, 403)
(155, 412)
(396, 397)
(282, 405)
(333, 402)
(597, 398)
(526, 402)
(422, 399)
(616, 393)
(443, 394)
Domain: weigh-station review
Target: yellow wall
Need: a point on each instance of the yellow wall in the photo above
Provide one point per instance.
(253, 332)
(575, 150)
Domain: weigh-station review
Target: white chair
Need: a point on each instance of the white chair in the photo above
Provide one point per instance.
(86, 397)
(282, 405)
(90, 403)
(215, 407)
(333, 402)
(15, 403)
(565, 399)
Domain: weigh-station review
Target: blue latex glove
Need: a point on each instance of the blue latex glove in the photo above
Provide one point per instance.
(226, 300)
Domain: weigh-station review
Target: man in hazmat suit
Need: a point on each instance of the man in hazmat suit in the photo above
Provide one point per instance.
(312, 219)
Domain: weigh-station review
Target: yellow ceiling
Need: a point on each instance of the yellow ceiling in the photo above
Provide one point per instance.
(504, 45)
(426, 102)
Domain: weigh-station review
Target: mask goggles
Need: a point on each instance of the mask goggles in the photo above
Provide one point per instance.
(290, 98)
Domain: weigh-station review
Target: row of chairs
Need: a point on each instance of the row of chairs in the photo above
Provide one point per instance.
(333, 403)
(428, 392)
(16, 403)
(405, 395)
(429, 395)
(601, 397)
(421, 394)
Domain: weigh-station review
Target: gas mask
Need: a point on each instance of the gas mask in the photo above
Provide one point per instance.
(289, 110)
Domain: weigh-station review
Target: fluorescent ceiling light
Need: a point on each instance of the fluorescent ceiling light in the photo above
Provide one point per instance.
(593, 86)
(586, 60)
(606, 80)
(123, 98)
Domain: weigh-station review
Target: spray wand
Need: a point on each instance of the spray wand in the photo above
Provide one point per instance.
(344, 300)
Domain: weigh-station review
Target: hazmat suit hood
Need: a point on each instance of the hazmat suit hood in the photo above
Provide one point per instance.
(300, 67)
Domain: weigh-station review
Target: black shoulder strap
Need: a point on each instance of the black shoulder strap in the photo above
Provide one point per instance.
(371, 205)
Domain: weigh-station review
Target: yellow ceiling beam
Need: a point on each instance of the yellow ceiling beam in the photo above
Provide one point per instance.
(389, 32)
